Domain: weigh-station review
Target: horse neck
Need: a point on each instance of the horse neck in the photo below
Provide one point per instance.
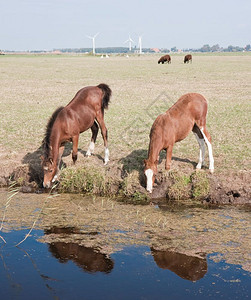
(153, 151)
(54, 145)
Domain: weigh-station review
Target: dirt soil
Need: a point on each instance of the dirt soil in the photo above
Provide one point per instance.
(225, 187)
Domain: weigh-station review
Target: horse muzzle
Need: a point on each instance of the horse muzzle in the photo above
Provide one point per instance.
(47, 185)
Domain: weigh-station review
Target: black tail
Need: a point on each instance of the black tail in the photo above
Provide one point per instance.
(107, 95)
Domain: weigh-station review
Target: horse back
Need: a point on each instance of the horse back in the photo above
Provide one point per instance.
(90, 96)
(190, 106)
(178, 121)
(79, 114)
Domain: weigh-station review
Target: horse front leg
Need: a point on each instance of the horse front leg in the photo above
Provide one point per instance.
(100, 120)
(75, 148)
(60, 154)
(169, 151)
(91, 147)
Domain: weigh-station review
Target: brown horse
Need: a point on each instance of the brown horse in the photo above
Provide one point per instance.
(86, 110)
(186, 115)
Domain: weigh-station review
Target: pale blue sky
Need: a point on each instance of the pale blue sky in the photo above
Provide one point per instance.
(48, 24)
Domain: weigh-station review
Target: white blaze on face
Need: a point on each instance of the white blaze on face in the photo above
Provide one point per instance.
(149, 180)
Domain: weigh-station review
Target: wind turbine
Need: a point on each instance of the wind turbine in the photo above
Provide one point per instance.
(130, 41)
(140, 44)
(93, 42)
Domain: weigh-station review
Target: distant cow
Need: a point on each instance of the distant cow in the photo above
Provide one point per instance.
(165, 58)
(187, 58)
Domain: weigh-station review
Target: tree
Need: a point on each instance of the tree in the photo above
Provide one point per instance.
(215, 48)
(248, 47)
(206, 48)
(230, 48)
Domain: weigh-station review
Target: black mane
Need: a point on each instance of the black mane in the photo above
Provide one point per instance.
(46, 140)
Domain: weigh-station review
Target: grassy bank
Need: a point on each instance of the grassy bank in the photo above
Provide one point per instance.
(32, 87)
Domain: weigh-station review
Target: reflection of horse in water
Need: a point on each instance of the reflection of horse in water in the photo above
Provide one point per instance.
(86, 258)
(187, 267)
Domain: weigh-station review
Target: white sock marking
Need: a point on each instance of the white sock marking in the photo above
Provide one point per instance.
(201, 143)
(210, 152)
(149, 180)
(90, 149)
(106, 155)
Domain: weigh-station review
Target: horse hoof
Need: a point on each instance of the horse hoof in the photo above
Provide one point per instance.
(211, 171)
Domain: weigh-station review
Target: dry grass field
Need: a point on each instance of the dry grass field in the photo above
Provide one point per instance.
(33, 86)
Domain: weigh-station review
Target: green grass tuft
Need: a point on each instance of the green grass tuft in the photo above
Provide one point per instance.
(180, 189)
(200, 185)
(83, 180)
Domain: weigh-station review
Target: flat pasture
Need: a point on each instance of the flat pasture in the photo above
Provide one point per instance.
(33, 86)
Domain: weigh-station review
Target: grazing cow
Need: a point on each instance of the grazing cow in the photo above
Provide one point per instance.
(186, 115)
(165, 58)
(188, 58)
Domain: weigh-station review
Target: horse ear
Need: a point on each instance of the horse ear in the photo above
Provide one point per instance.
(51, 160)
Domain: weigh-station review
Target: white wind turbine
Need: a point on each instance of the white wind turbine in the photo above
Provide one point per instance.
(140, 44)
(130, 41)
(93, 42)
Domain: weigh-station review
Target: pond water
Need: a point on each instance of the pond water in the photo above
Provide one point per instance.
(113, 260)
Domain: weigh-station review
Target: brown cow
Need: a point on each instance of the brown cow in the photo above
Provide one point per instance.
(188, 58)
(165, 58)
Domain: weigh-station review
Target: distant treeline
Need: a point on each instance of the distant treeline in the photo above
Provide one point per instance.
(217, 48)
(205, 48)
(102, 50)
(108, 50)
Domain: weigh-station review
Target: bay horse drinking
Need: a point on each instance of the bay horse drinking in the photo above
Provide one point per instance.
(86, 110)
(186, 115)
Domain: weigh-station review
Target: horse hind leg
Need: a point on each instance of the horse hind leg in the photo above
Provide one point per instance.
(201, 142)
(91, 147)
(104, 132)
(207, 139)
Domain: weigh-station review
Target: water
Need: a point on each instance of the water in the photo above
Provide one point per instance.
(37, 270)
(96, 248)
